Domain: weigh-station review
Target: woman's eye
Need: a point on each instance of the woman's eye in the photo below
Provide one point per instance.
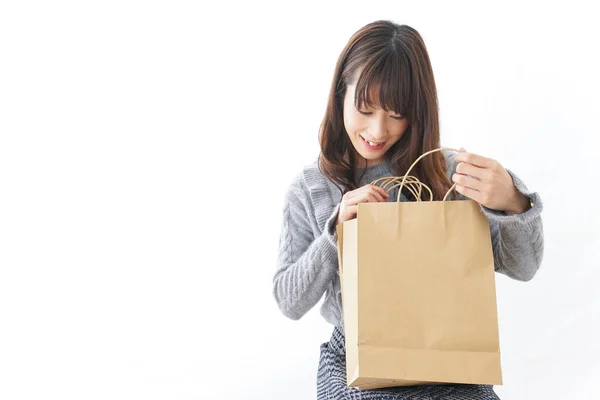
(396, 117)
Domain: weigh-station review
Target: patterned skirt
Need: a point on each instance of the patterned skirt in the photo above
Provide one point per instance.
(331, 381)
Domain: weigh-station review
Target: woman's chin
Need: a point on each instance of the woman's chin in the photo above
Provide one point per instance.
(371, 159)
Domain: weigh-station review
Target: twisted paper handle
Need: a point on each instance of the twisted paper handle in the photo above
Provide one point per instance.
(412, 183)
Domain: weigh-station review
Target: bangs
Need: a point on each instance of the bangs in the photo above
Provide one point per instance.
(385, 81)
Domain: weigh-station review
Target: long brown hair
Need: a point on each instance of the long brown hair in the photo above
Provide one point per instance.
(392, 58)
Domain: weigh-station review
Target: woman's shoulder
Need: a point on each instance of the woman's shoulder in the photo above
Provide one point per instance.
(310, 184)
(310, 177)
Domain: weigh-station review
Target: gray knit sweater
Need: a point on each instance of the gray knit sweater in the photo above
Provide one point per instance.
(307, 263)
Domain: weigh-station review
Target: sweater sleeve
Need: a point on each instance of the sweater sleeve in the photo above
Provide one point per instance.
(305, 264)
(517, 240)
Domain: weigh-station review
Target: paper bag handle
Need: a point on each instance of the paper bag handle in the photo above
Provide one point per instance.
(415, 181)
(411, 182)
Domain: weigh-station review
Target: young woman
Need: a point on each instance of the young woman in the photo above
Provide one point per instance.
(381, 116)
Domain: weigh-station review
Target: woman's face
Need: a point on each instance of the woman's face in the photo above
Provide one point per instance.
(382, 129)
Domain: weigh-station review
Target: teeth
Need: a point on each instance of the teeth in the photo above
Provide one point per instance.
(372, 143)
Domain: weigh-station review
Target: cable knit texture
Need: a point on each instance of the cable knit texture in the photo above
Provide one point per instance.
(307, 262)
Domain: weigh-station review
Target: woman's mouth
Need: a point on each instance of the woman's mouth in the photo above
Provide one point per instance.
(372, 145)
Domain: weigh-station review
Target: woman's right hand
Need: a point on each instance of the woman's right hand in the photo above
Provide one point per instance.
(366, 194)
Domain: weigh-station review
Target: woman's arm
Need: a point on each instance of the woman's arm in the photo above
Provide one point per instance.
(517, 239)
(306, 264)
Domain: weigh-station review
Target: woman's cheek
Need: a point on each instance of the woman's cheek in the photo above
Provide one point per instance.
(355, 122)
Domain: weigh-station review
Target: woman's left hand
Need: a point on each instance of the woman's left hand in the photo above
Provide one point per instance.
(488, 183)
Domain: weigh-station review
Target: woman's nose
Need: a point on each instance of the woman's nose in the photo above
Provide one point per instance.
(377, 128)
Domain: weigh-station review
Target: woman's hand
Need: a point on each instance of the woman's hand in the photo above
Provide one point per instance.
(366, 194)
(488, 183)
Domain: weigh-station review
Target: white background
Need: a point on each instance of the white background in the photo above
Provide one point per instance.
(145, 151)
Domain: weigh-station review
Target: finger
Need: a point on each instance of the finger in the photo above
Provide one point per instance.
(368, 197)
(474, 159)
(468, 181)
(365, 197)
(469, 192)
(380, 197)
(351, 194)
(382, 191)
(350, 201)
(464, 168)
(358, 191)
(376, 189)
(352, 211)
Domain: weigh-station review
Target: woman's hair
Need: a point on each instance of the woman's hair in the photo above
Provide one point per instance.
(393, 59)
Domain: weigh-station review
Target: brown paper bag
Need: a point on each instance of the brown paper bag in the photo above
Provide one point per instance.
(418, 294)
